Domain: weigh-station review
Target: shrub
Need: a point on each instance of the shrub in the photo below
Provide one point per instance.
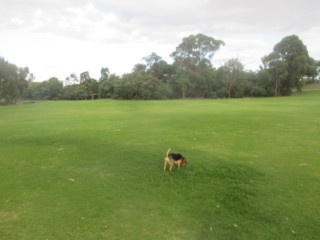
(258, 92)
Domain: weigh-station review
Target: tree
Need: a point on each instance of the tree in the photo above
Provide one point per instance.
(229, 73)
(183, 81)
(278, 71)
(152, 59)
(51, 89)
(54, 88)
(318, 70)
(72, 79)
(89, 85)
(13, 80)
(295, 61)
(156, 67)
(192, 58)
(140, 68)
(197, 48)
(107, 87)
(104, 74)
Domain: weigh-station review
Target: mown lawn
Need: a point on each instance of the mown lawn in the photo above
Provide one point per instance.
(94, 169)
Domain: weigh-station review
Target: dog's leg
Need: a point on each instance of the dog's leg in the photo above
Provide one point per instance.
(179, 163)
(165, 164)
(166, 160)
(171, 165)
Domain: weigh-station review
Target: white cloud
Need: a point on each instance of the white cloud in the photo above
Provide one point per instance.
(56, 38)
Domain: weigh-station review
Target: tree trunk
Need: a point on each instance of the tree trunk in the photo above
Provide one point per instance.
(184, 91)
(276, 89)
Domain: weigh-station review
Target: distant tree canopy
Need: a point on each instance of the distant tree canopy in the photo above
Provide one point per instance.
(191, 75)
(288, 64)
(196, 50)
(13, 80)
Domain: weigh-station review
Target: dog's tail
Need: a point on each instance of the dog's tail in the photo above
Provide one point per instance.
(168, 152)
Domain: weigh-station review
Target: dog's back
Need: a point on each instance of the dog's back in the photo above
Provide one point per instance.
(176, 156)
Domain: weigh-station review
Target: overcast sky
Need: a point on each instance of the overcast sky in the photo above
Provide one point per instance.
(55, 38)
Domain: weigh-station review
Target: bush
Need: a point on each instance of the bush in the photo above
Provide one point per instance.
(258, 92)
(213, 95)
(238, 93)
(222, 93)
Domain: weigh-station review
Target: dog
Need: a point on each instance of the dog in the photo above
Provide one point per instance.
(174, 158)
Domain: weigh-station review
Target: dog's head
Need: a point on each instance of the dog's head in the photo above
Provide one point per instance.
(184, 161)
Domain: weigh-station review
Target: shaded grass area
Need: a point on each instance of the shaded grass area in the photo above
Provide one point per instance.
(94, 170)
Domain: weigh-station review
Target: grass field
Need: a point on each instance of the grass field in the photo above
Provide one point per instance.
(94, 169)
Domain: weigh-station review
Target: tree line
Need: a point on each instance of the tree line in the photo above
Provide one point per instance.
(191, 75)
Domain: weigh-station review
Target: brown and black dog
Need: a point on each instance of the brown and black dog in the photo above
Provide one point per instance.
(174, 158)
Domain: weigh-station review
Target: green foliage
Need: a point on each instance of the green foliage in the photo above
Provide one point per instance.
(46, 90)
(192, 61)
(107, 87)
(140, 86)
(105, 73)
(197, 48)
(13, 80)
(73, 92)
(288, 64)
(229, 73)
(191, 75)
(222, 93)
(258, 92)
(89, 85)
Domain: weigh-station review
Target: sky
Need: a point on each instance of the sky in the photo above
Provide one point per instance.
(55, 38)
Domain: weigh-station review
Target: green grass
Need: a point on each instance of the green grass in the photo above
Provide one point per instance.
(94, 169)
